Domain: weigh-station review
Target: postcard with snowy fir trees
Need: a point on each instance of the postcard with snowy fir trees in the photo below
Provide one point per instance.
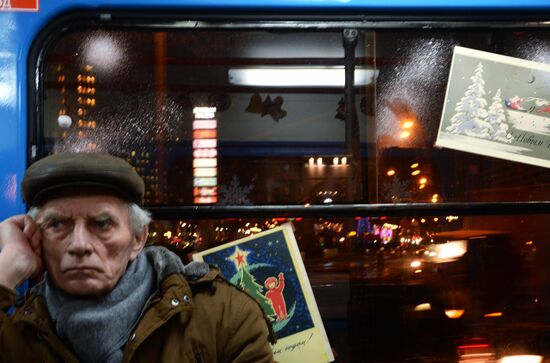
(497, 106)
(269, 267)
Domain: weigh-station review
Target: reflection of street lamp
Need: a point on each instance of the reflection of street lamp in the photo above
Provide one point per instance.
(391, 172)
(454, 313)
(422, 183)
(407, 124)
(406, 128)
(319, 161)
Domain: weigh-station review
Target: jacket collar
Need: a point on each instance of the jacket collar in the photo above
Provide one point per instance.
(165, 263)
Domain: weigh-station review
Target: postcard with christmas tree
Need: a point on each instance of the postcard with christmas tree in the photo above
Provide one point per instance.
(497, 106)
(268, 266)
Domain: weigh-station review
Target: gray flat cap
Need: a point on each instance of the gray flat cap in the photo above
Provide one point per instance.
(61, 174)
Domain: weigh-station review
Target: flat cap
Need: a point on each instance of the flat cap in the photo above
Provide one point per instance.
(57, 174)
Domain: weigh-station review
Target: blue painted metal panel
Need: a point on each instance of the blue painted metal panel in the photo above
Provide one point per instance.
(18, 29)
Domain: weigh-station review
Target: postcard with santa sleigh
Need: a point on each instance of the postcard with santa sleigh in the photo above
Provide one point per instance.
(268, 266)
(497, 106)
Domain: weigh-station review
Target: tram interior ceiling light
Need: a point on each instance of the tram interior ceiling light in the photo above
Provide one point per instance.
(333, 76)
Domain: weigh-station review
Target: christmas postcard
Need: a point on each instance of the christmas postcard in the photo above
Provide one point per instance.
(497, 106)
(268, 266)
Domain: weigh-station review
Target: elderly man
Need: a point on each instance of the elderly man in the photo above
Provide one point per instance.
(103, 296)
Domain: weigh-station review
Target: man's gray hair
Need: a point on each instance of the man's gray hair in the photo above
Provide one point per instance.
(138, 217)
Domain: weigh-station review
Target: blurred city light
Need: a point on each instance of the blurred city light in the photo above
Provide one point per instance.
(454, 313)
(408, 124)
(449, 251)
(423, 307)
(521, 359)
(496, 314)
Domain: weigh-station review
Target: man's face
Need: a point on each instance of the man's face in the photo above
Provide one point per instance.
(87, 242)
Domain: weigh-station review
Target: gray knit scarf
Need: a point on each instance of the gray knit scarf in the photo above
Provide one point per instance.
(98, 329)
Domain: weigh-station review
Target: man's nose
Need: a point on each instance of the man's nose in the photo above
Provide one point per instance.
(81, 242)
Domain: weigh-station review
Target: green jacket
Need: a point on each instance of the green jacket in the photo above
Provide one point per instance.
(207, 320)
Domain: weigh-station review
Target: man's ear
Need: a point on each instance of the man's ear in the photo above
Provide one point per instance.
(139, 242)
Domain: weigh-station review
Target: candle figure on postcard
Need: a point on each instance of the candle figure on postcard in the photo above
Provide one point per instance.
(497, 106)
(269, 268)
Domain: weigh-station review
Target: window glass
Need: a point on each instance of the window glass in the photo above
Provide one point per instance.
(412, 288)
(280, 138)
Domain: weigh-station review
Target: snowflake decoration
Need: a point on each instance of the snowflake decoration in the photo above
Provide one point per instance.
(234, 193)
(397, 191)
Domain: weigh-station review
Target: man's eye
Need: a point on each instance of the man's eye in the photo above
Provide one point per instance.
(55, 225)
(102, 224)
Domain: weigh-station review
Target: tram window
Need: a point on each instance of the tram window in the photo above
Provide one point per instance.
(396, 289)
(277, 140)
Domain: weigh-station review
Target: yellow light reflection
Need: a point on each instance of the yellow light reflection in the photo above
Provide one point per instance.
(405, 134)
(521, 359)
(423, 307)
(414, 166)
(496, 314)
(416, 172)
(408, 124)
(454, 313)
(391, 172)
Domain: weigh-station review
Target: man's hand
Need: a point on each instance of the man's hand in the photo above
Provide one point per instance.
(20, 250)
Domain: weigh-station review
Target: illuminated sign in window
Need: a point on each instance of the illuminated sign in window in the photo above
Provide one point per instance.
(205, 153)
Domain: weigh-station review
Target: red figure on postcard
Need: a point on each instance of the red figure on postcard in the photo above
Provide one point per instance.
(275, 295)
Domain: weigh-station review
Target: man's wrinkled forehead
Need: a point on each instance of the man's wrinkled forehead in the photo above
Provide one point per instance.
(52, 214)
(89, 206)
